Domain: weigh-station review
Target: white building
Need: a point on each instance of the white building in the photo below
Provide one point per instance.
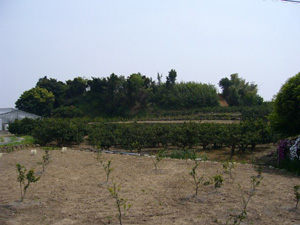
(9, 115)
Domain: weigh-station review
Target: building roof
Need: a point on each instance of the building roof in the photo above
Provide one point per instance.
(10, 115)
(6, 110)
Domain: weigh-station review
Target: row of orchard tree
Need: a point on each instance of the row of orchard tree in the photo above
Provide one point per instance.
(121, 96)
(137, 136)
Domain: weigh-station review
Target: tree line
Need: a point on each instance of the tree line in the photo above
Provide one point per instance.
(122, 96)
(135, 136)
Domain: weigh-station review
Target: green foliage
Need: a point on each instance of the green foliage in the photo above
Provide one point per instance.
(61, 131)
(183, 154)
(23, 176)
(23, 127)
(297, 194)
(218, 181)
(122, 204)
(290, 165)
(286, 116)
(56, 87)
(127, 96)
(184, 135)
(105, 165)
(198, 180)
(228, 167)
(102, 135)
(67, 112)
(45, 159)
(36, 100)
(185, 96)
(171, 78)
(239, 92)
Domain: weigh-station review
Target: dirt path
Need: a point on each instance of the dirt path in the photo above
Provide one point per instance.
(182, 121)
(69, 192)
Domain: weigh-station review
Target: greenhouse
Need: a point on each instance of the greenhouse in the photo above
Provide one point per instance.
(9, 115)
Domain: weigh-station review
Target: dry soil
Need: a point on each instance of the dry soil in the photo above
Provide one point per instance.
(72, 191)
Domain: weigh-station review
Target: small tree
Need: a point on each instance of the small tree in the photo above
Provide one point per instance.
(46, 159)
(106, 166)
(22, 175)
(228, 166)
(107, 169)
(159, 157)
(255, 182)
(197, 180)
(121, 203)
(297, 194)
(218, 180)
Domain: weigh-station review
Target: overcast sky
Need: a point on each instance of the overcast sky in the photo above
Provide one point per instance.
(203, 40)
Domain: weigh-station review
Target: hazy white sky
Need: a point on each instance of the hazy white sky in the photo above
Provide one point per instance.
(203, 40)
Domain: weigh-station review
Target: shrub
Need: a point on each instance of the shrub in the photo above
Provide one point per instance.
(23, 127)
(218, 181)
(62, 131)
(102, 135)
(29, 176)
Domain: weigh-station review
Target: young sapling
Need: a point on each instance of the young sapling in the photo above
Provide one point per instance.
(228, 166)
(197, 180)
(99, 155)
(255, 182)
(218, 180)
(107, 169)
(159, 157)
(121, 203)
(297, 194)
(106, 166)
(22, 175)
(46, 159)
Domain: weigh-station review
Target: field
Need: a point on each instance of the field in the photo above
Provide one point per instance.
(72, 191)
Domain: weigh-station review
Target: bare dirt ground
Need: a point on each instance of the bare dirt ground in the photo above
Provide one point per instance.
(71, 191)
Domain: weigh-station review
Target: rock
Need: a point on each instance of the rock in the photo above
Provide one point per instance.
(198, 159)
(33, 152)
(63, 149)
(271, 167)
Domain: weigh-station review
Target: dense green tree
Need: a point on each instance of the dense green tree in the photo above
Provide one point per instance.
(56, 87)
(61, 131)
(36, 100)
(23, 127)
(67, 112)
(136, 94)
(238, 92)
(76, 87)
(171, 78)
(102, 135)
(286, 116)
(138, 90)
